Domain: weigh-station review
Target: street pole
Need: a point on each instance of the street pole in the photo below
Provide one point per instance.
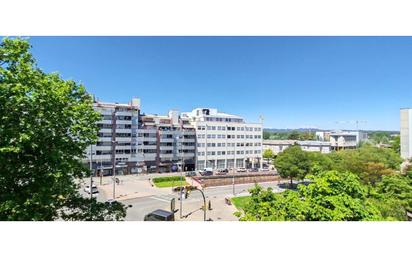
(234, 170)
(114, 152)
(101, 171)
(181, 180)
(204, 204)
(91, 173)
(233, 183)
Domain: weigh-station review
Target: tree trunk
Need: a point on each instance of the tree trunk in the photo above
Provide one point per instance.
(291, 182)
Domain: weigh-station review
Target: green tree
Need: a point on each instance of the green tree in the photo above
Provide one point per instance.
(396, 144)
(368, 162)
(399, 187)
(292, 163)
(379, 137)
(319, 162)
(331, 196)
(294, 135)
(307, 136)
(268, 154)
(46, 125)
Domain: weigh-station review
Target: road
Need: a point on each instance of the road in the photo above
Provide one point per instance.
(142, 206)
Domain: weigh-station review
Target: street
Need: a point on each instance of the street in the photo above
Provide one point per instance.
(145, 205)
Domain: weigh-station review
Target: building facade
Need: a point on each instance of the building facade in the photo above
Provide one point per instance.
(165, 141)
(341, 140)
(117, 138)
(406, 133)
(225, 141)
(134, 142)
(278, 146)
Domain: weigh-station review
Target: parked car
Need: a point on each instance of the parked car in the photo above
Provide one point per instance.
(222, 172)
(241, 170)
(94, 189)
(191, 174)
(254, 170)
(206, 173)
(160, 215)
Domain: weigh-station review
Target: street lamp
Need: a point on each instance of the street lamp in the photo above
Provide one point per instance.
(91, 180)
(91, 172)
(181, 175)
(234, 170)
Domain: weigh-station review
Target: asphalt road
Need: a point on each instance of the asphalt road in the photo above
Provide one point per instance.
(142, 206)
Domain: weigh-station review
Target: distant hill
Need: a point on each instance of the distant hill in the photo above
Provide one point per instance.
(275, 130)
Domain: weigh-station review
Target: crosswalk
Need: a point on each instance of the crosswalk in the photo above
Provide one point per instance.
(163, 198)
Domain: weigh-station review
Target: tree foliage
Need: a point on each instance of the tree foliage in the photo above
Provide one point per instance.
(293, 163)
(396, 144)
(46, 125)
(398, 188)
(291, 135)
(268, 154)
(359, 184)
(368, 162)
(331, 196)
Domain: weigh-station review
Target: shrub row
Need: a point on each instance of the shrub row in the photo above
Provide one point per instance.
(166, 179)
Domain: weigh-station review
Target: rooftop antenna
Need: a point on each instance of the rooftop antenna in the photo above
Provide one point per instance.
(356, 122)
(360, 121)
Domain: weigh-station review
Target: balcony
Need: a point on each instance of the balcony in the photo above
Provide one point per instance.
(126, 122)
(123, 139)
(166, 148)
(104, 122)
(148, 131)
(166, 155)
(147, 147)
(147, 139)
(167, 140)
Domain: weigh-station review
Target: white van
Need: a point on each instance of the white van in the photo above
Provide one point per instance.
(93, 191)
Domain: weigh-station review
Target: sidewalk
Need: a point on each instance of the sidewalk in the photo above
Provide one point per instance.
(220, 211)
(130, 188)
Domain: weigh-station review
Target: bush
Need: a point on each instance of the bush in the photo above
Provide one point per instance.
(167, 179)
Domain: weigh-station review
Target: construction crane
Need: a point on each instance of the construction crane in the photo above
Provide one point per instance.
(357, 122)
(261, 118)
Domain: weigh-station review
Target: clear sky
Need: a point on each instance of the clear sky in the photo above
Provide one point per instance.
(293, 81)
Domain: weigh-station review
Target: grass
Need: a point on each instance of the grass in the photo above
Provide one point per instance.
(240, 202)
(169, 182)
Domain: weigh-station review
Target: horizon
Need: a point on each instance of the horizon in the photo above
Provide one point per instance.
(294, 82)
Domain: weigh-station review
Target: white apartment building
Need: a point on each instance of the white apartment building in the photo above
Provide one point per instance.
(406, 133)
(225, 140)
(278, 146)
(117, 137)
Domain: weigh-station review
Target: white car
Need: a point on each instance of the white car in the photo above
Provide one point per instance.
(93, 191)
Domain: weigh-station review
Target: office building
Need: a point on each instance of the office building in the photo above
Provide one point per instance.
(406, 127)
(341, 140)
(225, 140)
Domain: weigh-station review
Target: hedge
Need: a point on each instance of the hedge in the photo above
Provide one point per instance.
(165, 179)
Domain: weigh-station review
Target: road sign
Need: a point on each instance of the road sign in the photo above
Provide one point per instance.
(174, 168)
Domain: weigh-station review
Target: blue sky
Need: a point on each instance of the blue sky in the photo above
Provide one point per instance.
(293, 81)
